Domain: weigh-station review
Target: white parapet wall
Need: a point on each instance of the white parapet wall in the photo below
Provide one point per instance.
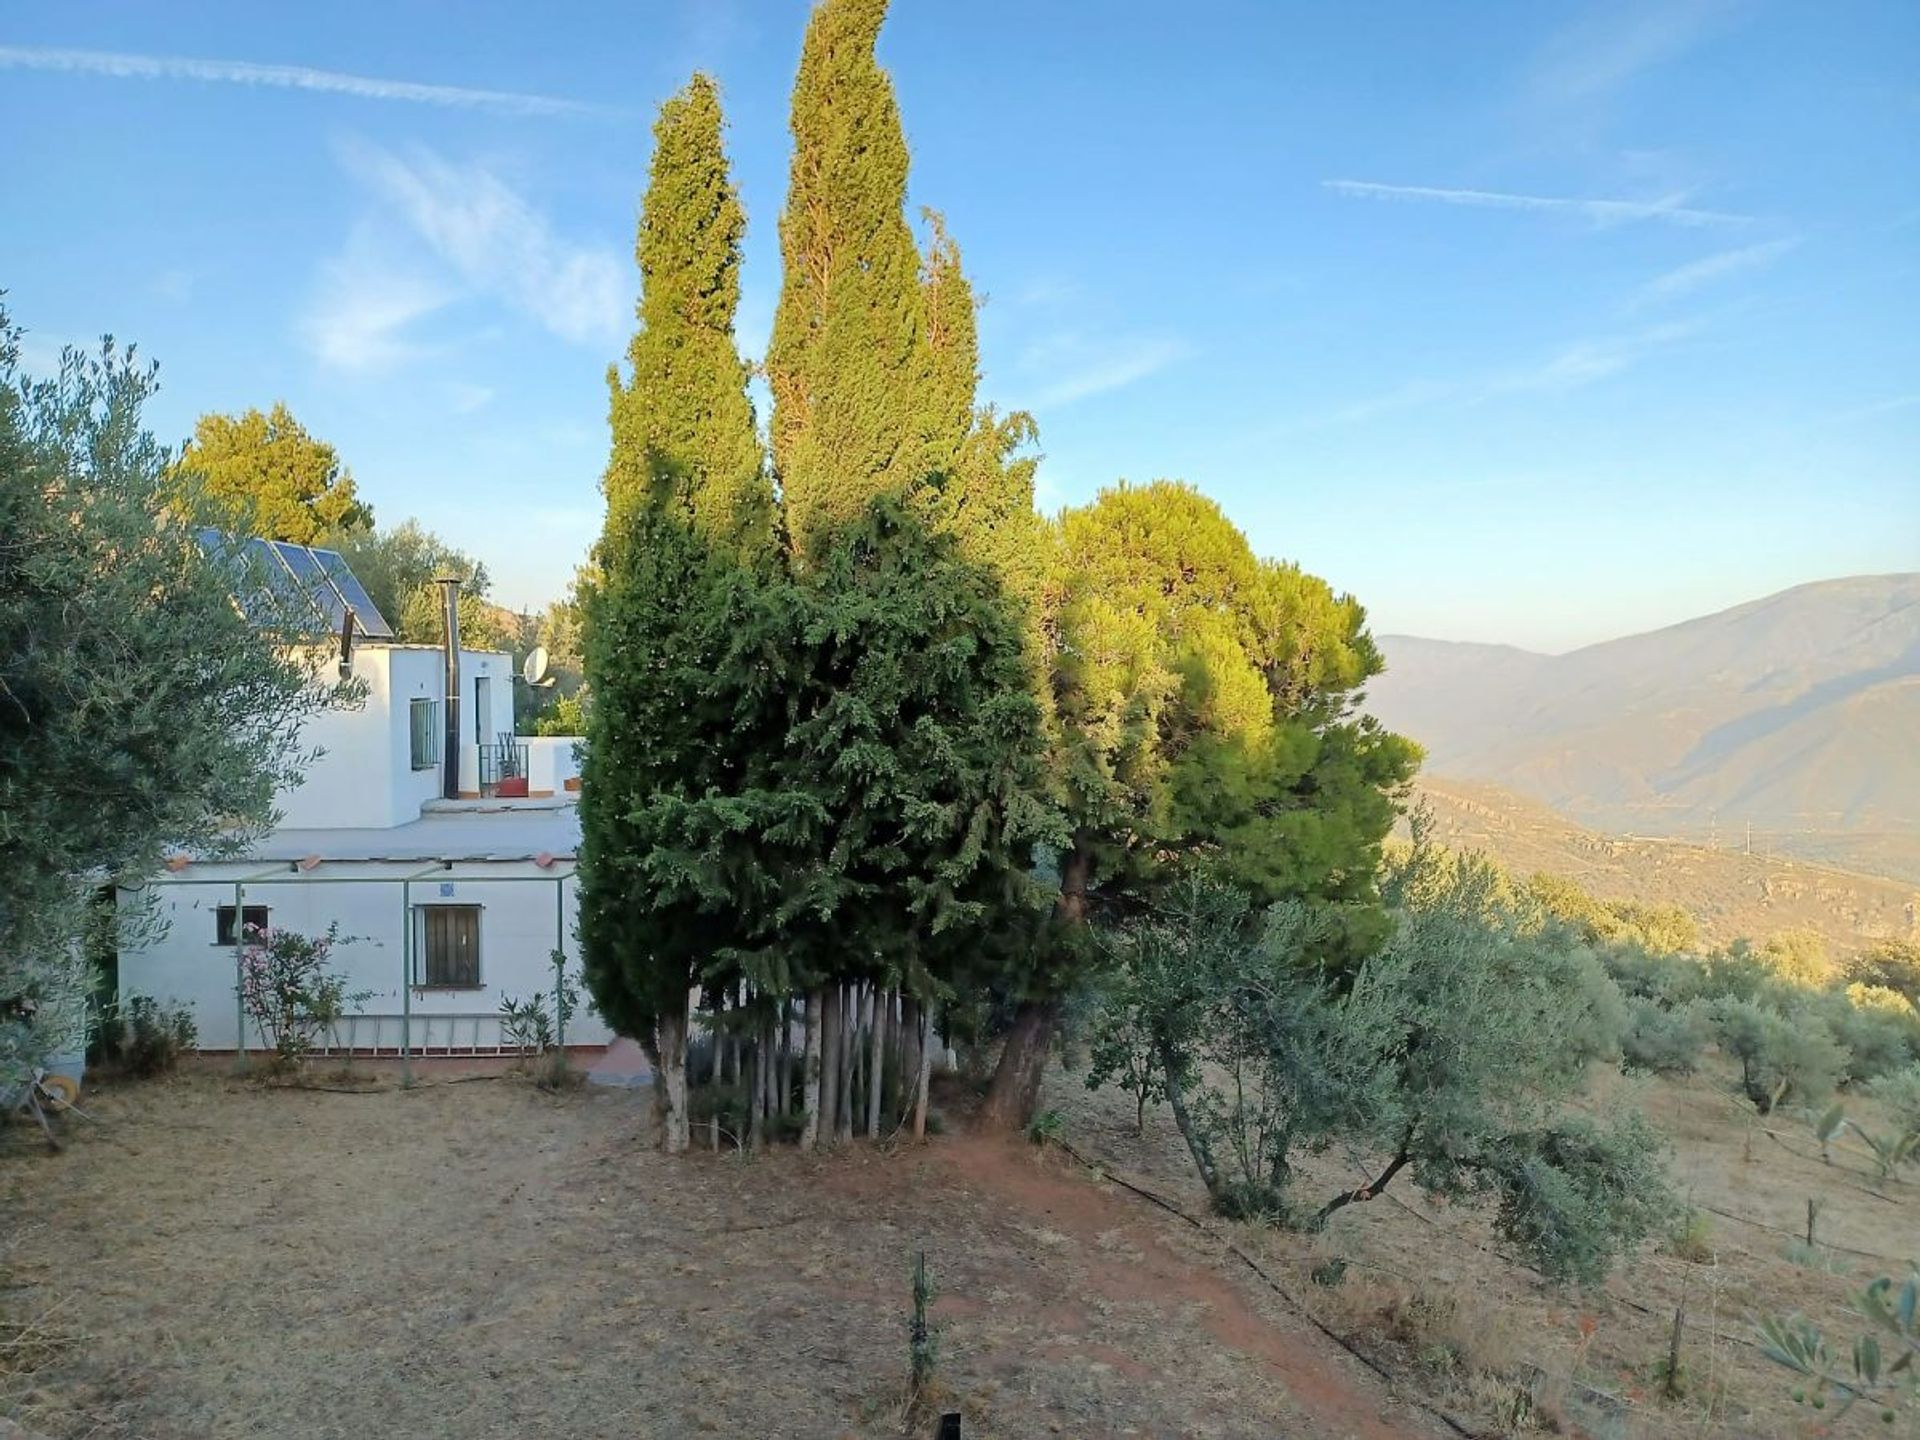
(552, 762)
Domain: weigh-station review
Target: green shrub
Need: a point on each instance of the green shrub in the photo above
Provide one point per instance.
(1899, 1092)
(151, 1036)
(1574, 1196)
(1879, 1041)
(1671, 980)
(1780, 1057)
(1665, 1041)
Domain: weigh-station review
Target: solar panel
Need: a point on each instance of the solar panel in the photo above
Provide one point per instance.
(294, 589)
(371, 622)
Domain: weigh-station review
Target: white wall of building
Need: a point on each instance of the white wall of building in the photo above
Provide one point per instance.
(365, 777)
(520, 927)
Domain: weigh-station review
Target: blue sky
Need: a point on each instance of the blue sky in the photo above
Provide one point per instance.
(1523, 322)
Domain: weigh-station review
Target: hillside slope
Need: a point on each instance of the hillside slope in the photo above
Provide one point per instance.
(1798, 715)
(1729, 892)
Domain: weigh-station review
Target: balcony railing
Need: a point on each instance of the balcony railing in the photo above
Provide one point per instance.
(500, 764)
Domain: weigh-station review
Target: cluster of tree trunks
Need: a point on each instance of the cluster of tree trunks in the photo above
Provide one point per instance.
(843, 1060)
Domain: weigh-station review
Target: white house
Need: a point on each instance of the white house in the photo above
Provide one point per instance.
(438, 843)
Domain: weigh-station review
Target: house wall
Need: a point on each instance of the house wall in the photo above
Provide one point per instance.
(519, 929)
(365, 779)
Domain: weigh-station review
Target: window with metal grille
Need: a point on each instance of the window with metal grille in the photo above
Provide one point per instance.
(252, 917)
(423, 721)
(447, 952)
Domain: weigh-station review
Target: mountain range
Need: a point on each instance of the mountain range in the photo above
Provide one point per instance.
(1786, 725)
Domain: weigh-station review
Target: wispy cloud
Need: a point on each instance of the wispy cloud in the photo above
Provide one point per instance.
(287, 77)
(466, 397)
(498, 244)
(364, 307)
(1690, 277)
(1570, 367)
(1077, 368)
(1672, 209)
(1584, 362)
(1599, 54)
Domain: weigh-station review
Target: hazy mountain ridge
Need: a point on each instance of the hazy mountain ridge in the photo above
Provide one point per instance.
(1798, 714)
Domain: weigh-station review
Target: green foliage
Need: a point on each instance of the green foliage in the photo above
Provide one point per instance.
(1879, 1364)
(1893, 965)
(1451, 1051)
(147, 1037)
(683, 427)
(398, 567)
(1665, 1041)
(849, 365)
(1899, 1092)
(142, 714)
(1202, 697)
(1256, 1056)
(291, 993)
(1047, 1125)
(534, 1026)
(1780, 1057)
(1690, 1236)
(1656, 930)
(1575, 1196)
(567, 717)
(267, 475)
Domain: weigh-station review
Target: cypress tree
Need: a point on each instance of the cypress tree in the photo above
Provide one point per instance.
(680, 625)
(848, 360)
(682, 422)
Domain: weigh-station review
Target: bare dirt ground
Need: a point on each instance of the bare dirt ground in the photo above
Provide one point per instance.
(210, 1259)
(1429, 1297)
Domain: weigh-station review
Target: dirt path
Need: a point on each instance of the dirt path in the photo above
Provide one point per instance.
(1333, 1392)
(486, 1260)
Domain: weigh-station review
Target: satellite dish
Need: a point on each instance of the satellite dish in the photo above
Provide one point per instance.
(534, 671)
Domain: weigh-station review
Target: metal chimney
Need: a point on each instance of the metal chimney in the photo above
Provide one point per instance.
(450, 643)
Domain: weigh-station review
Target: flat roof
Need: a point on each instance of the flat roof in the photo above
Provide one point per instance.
(504, 834)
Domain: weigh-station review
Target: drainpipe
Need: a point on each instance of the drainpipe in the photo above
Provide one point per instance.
(450, 756)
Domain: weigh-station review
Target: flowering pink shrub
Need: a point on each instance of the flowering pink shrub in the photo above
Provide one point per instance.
(289, 990)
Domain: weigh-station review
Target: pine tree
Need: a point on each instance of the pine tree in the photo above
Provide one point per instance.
(1203, 703)
(848, 360)
(682, 421)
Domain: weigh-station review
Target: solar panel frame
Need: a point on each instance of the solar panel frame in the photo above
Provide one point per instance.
(366, 614)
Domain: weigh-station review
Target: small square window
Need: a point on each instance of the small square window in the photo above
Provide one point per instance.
(252, 917)
(447, 953)
(423, 733)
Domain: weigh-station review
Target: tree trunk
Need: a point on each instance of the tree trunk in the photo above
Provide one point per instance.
(671, 1030)
(877, 1007)
(1015, 1092)
(810, 1073)
(783, 1052)
(829, 1060)
(849, 1053)
(910, 1047)
(1196, 1142)
(922, 1070)
(756, 1095)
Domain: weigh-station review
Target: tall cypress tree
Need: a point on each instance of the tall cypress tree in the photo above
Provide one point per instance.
(848, 361)
(682, 423)
(673, 650)
(983, 491)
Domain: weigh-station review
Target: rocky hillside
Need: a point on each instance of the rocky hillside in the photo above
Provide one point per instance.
(1729, 892)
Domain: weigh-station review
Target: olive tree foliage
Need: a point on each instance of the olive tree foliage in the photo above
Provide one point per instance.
(140, 713)
(1448, 1055)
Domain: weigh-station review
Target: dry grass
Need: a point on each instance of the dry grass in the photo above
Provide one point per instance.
(1429, 1295)
(490, 1259)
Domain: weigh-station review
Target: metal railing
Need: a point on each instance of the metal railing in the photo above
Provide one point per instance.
(501, 762)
